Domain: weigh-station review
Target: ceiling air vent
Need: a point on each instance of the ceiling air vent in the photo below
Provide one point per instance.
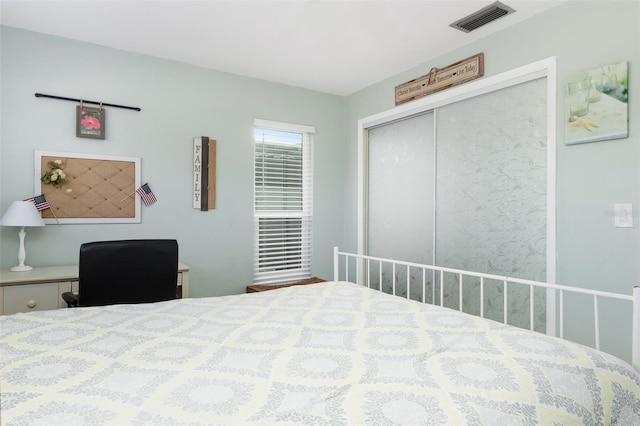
(482, 17)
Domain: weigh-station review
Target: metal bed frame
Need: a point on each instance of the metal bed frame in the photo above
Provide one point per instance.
(362, 263)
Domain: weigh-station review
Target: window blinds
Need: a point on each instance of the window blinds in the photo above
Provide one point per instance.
(282, 203)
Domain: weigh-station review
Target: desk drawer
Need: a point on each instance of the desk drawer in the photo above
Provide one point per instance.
(32, 297)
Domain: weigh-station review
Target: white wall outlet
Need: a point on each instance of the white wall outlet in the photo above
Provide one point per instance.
(623, 215)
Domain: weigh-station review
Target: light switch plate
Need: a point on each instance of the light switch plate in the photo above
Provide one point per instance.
(623, 215)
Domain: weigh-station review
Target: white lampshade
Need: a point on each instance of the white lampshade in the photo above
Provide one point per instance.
(22, 213)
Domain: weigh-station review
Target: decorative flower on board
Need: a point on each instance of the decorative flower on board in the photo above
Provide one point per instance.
(55, 176)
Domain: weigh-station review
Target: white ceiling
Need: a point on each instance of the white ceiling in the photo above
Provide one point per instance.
(337, 47)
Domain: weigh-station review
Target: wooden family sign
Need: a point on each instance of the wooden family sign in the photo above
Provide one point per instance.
(441, 79)
(204, 173)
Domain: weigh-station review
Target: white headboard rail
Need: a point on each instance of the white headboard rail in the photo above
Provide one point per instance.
(363, 262)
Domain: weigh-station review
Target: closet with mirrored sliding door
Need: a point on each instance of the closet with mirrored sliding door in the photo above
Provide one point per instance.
(465, 184)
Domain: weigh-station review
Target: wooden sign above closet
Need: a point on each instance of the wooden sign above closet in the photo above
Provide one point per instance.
(441, 79)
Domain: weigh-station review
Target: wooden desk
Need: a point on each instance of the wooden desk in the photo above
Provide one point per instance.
(40, 289)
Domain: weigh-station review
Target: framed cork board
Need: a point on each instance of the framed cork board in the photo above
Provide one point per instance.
(88, 188)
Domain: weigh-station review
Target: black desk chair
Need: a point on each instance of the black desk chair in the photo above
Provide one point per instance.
(126, 271)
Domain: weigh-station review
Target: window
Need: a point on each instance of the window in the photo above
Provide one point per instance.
(283, 194)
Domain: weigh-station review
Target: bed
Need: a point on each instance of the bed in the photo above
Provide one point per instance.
(335, 353)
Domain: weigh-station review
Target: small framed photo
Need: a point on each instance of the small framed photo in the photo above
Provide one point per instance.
(90, 122)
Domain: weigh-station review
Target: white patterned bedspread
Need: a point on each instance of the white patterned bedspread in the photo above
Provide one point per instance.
(332, 353)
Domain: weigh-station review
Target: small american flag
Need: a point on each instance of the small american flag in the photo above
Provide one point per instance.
(147, 196)
(40, 202)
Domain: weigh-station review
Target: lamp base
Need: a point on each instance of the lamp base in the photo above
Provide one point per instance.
(21, 268)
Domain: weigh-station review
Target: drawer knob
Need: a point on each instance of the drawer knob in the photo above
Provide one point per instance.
(31, 303)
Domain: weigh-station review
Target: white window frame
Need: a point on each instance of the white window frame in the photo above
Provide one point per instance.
(306, 214)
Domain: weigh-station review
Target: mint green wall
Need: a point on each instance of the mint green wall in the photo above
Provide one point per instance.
(590, 177)
(178, 102)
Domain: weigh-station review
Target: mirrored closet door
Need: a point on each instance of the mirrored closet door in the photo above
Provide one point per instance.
(465, 186)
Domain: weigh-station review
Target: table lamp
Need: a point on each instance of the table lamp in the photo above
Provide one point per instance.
(21, 213)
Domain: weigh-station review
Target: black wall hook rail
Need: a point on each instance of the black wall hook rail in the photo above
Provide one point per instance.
(84, 101)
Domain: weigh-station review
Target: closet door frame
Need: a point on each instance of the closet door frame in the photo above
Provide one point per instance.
(545, 68)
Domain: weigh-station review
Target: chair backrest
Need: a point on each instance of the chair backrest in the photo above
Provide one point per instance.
(127, 271)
